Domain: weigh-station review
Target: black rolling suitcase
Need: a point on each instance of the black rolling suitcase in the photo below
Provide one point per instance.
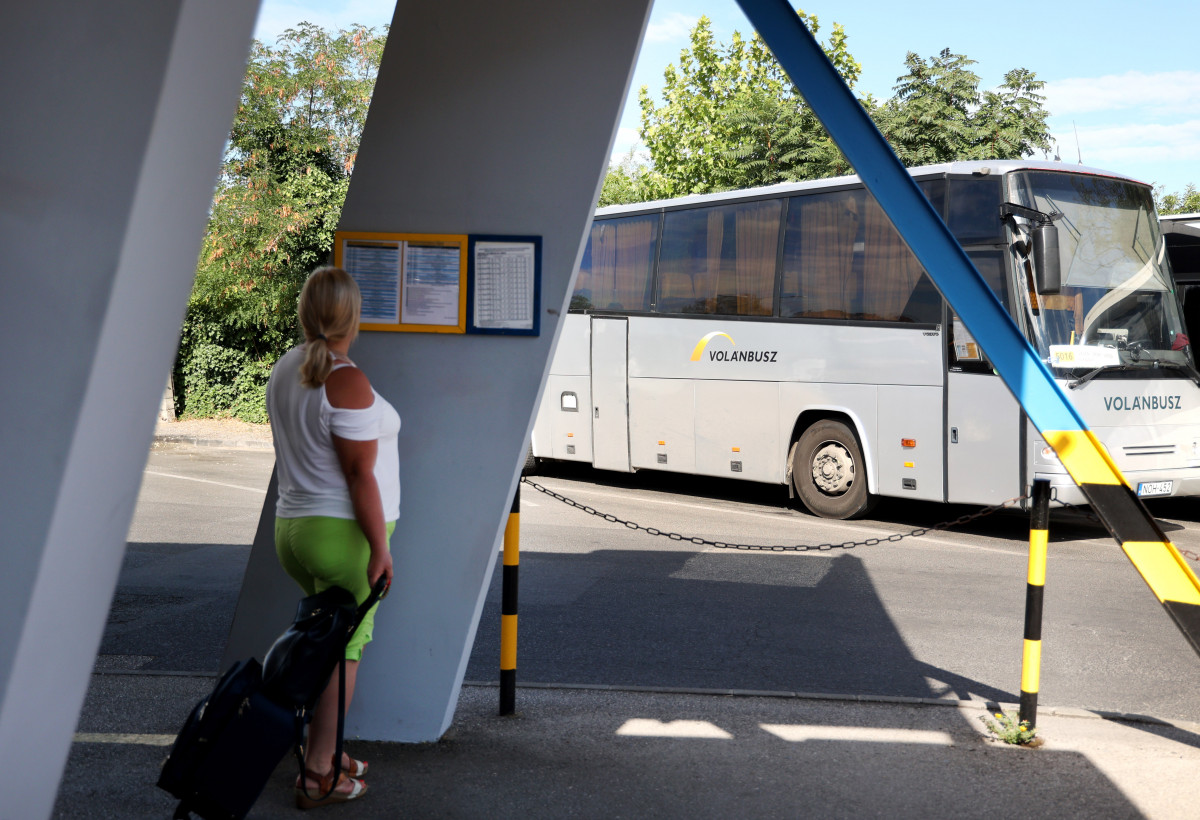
(234, 738)
(228, 748)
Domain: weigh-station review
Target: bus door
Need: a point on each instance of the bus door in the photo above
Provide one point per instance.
(610, 393)
(983, 426)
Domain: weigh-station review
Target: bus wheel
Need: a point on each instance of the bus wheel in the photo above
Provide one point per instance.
(531, 463)
(828, 471)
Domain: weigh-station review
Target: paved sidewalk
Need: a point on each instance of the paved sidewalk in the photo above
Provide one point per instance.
(230, 433)
(588, 753)
(613, 753)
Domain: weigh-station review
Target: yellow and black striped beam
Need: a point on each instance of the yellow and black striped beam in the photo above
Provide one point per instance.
(1152, 553)
(508, 608)
(1019, 365)
(1035, 585)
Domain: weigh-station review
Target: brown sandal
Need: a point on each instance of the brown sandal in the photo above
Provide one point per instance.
(304, 800)
(355, 768)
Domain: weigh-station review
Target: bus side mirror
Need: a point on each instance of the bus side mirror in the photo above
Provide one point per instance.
(1045, 258)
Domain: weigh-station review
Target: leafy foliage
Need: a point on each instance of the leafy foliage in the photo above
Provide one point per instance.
(938, 114)
(731, 118)
(1187, 202)
(283, 181)
(628, 181)
(1009, 729)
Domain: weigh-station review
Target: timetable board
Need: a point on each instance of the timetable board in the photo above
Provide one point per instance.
(444, 283)
(410, 282)
(505, 280)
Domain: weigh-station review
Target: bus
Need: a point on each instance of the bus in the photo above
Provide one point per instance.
(787, 335)
(1181, 232)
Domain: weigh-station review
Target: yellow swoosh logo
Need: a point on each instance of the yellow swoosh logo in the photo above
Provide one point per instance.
(703, 343)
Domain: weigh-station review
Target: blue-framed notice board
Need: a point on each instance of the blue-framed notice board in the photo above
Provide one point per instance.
(504, 282)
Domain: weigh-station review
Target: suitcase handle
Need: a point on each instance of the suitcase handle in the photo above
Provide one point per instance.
(377, 594)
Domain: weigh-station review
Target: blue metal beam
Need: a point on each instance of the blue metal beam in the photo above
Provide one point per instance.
(1150, 551)
(931, 242)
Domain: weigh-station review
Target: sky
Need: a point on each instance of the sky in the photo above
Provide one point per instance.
(1122, 84)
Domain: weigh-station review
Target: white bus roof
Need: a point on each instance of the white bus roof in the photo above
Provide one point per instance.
(980, 167)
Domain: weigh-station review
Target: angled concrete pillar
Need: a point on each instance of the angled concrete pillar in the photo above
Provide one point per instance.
(114, 114)
(492, 118)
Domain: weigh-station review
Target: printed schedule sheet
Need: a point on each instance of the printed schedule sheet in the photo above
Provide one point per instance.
(504, 285)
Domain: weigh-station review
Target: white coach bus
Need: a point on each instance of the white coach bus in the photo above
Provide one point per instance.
(787, 335)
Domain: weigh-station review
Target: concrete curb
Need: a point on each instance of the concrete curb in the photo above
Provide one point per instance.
(228, 444)
(876, 700)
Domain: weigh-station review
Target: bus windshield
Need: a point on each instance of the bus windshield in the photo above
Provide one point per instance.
(1116, 306)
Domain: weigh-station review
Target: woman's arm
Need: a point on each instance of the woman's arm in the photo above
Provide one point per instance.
(348, 388)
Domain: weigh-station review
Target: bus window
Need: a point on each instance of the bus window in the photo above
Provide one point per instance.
(935, 191)
(990, 265)
(615, 271)
(974, 212)
(842, 259)
(818, 256)
(895, 287)
(1189, 296)
(965, 353)
(720, 260)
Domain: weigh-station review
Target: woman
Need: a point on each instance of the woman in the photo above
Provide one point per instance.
(337, 462)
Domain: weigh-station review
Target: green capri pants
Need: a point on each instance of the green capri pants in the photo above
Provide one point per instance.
(322, 552)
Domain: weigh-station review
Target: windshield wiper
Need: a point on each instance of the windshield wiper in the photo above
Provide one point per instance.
(1185, 367)
(1091, 374)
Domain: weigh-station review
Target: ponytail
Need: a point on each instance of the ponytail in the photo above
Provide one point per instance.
(329, 308)
(317, 364)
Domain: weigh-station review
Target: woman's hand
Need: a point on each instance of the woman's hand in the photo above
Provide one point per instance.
(380, 566)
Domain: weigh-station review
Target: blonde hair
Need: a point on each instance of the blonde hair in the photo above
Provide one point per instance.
(329, 308)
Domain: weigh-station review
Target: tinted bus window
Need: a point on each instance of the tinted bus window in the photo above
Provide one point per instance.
(615, 273)
(842, 259)
(720, 260)
(974, 210)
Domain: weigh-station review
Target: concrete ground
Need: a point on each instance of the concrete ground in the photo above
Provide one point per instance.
(605, 752)
(595, 753)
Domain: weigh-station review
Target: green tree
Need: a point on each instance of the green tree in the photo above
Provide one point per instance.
(628, 181)
(937, 113)
(280, 193)
(1187, 202)
(730, 117)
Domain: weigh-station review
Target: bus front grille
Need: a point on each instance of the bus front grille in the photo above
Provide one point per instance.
(1150, 450)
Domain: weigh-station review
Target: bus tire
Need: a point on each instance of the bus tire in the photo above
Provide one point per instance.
(531, 462)
(828, 471)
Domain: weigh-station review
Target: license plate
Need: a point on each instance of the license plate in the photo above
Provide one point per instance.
(1148, 488)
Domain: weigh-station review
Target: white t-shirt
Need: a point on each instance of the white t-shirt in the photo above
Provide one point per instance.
(303, 423)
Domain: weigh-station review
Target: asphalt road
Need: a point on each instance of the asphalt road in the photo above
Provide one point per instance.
(935, 616)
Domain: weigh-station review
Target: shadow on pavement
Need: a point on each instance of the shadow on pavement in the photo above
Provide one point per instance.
(591, 754)
(708, 620)
(173, 607)
(644, 618)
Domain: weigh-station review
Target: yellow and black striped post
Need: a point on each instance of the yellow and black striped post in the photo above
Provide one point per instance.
(508, 609)
(1031, 658)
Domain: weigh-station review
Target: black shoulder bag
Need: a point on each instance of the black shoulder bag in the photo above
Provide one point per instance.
(300, 663)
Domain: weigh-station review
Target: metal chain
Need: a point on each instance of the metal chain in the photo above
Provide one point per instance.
(845, 545)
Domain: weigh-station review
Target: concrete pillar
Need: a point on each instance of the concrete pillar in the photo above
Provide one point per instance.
(114, 117)
(494, 118)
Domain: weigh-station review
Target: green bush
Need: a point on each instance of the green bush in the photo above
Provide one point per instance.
(223, 381)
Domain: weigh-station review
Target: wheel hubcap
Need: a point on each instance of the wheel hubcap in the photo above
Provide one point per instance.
(832, 468)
